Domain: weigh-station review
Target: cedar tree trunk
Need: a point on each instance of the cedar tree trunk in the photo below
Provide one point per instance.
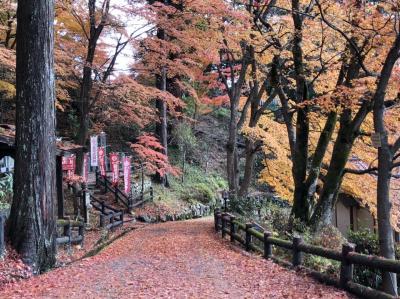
(32, 226)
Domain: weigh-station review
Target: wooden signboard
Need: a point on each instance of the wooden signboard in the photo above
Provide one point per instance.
(376, 140)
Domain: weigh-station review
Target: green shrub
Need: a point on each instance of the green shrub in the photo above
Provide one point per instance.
(197, 186)
(6, 191)
(222, 113)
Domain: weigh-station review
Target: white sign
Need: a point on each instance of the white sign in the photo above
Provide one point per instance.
(87, 200)
(94, 158)
(376, 140)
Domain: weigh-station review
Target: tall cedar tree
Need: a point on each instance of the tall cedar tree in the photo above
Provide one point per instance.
(32, 221)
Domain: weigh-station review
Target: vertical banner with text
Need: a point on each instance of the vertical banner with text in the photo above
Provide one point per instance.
(101, 160)
(127, 174)
(94, 158)
(114, 161)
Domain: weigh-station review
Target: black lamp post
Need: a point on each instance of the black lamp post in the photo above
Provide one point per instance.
(225, 198)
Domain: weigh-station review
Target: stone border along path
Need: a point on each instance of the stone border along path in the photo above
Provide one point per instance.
(172, 260)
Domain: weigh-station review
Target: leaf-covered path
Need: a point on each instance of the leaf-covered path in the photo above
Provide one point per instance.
(172, 260)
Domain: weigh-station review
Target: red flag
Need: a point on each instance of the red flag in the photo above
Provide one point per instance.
(102, 162)
(85, 167)
(127, 174)
(114, 161)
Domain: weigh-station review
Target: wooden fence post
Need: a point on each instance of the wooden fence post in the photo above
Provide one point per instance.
(103, 208)
(81, 232)
(267, 245)
(346, 267)
(297, 254)
(101, 220)
(223, 224)
(67, 231)
(112, 220)
(233, 228)
(248, 236)
(97, 178)
(2, 245)
(217, 214)
(84, 203)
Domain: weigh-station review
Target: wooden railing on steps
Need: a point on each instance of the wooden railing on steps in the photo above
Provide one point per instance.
(109, 216)
(127, 200)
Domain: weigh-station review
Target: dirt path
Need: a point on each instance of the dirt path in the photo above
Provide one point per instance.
(172, 260)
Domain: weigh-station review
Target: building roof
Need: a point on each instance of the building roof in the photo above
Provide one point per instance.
(7, 143)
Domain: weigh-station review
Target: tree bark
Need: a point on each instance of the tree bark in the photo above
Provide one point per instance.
(319, 153)
(300, 208)
(163, 126)
(232, 151)
(341, 151)
(385, 158)
(32, 224)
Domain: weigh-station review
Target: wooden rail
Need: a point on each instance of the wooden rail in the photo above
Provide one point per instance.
(142, 198)
(109, 217)
(67, 237)
(119, 196)
(228, 225)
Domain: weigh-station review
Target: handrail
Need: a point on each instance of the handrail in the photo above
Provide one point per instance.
(115, 216)
(119, 195)
(228, 225)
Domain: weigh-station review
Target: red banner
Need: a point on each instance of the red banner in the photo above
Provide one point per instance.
(85, 167)
(102, 161)
(127, 175)
(68, 165)
(114, 161)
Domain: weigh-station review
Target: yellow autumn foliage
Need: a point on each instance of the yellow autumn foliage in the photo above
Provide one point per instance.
(277, 162)
(7, 91)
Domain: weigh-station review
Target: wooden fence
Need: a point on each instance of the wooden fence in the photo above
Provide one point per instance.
(228, 225)
(68, 237)
(109, 217)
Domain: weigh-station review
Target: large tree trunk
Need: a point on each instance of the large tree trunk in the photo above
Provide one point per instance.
(248, 167)
(341, 151)
(87, 82)
(385, 157)
(315, 169)
(232, 151)
(162, 128)
(385, 231)
(300, 208)
(32, 221)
